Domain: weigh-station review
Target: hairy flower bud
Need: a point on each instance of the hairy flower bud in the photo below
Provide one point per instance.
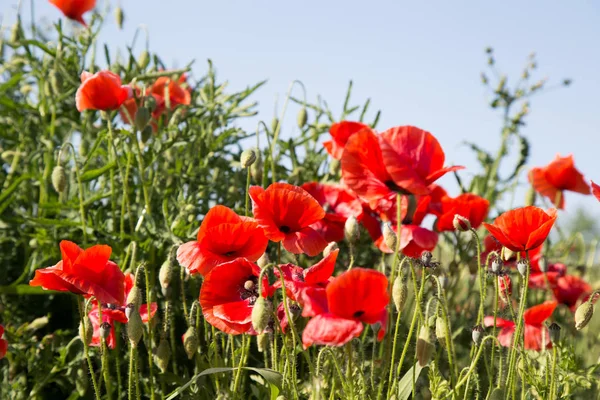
(248, 158)
(523, 266)
(332, 246)
(399, 290)
(390, 237)
(256, 170)
(302, 117)
(142, 118)
(262, 341)
(165, 273)
(554, 330)
(104, 330)
(351, 229)
(461, 223)
(441, 330)
(425, 346)
(144, 59)
(135, 297)
(477, 333)
(59, 179)
(190, 342)
(263, 261)
(583, 314)
(426, 258)
(162, 355)
(86, 334)
(134, 327)
(274, 125)
(261, 314)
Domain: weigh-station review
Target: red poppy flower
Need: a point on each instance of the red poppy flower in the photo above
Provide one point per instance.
(556, 177)
(223, 237)
(414, 240)
(286, 213)
(413, 158)
(178, 90)
(570, 290)
(3, 344)
(74, 9)
(522, 229)
(467, 205)
(356, 296)
(101, 91)
(340, 133)
(596, 190)
(537, 279)
(339, 204)
(87, 272)
(537, 336)
(370, 222)
(228, 294)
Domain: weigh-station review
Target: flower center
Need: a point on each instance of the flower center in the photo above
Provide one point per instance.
(285, 229)
(250, 289)
(229, 254)
(358, 314)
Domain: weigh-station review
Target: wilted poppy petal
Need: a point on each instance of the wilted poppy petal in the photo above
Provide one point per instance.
(330, 330)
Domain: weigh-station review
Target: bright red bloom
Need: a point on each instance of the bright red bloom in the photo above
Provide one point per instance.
(522, 229)
(468, 205)
(556, 177)
(228, 294)
(179, 92)
(569, 290)
(596, 190)
(356, 296)
(414, 240)
(339, 204)
(534, 327)
(101, 91)
(3, 343)
(286, 213)
(340, 133)
(87, 272)
(74, 9)
(223, 237)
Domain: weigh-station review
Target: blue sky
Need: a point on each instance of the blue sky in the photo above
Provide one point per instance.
(419, 62)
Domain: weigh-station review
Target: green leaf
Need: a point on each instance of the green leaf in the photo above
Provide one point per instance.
(95, 173)
(405, 386)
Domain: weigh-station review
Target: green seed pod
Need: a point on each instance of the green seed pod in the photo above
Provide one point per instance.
(248, 158)
(261, 314)
(262, 341)
(144, 59)
(142, 118)
(119, 17)
(302, 117)
(425, 346)
(389, 236)
(399, 291)
(583, 314)
(351, 229)
(162, 355)
(441, 330)
(89, 332)
(190, 342)
(59, 179)
(134, 326)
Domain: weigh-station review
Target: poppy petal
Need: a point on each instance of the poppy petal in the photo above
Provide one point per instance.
(321, 271)
(536, 315)
(306, 241)
(313, 301)
(330, 330)
(340, 133)
(239, 312)
(596, 190)
(500, 323)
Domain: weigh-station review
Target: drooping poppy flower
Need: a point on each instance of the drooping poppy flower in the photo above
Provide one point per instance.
(570, 290)
(223, 237)
(537, 336)
(467, 205)
(340, 133)
(339, 204)
(101, 91)
(74, 9)
(356, 296)
(413, 158)
(596, 190)
(177, 92)
(3, 343)
(87, 272)
(552, 180)
(286, 213)
(228, 294)
(414, 240)
(522, 229)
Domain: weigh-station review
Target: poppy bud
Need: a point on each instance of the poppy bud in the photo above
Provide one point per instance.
(142, 118)
(523, 266)
(274, 124)
(165, 273)
(190, 342)
(302, 117)
(162, 355)
(262, 341)
(530, 197)
(389, 236)
(135, 297)
(399, 290)
(134, 326)
(256, 170)
(263, 261)
(119, 17)
(583, 314)
(86, 334)
(104, 330)
(261, 314)
(147, 133)
(426, 258)
(554, 330)
(425, 346)
(444, 281)
(59, 179)
(477, 333)
(332, 246)
(144, 59)
(497, 265)
(461, 223)
(543, 264)
(351, 229)
(248, 158)
(441, 330)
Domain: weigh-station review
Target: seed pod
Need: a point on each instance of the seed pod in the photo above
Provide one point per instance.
(144, 59)
(477, 333)
(523, 266)
(162, 355)
(59, 179)
(583, 314)
(554, 330)
(441, 330)
(135, 297)
(142, 118)
(332, 246)
(262, 341)
(248, 158)
(497, 265)
(190, 342)
(461, 223)
(399, 290)
(88, 333)
(389, 236)
(105, 330)
(302, 117)
(261, 314)
(134, 327)
(263, 261)
(351, 229)
(425, 346)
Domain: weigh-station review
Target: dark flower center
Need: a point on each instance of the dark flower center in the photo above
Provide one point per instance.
(299, 276)
(229, 253)
(285, 229)
(249, 289)
(358, 314)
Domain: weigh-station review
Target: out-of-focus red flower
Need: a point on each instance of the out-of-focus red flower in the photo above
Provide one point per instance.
(3, 343)
(74, 9)
(467, 205)
(178, 91)
(596, 190)
(569, 290)
(414, 240)
(534, 327)
(522, 229)
(560, 175)
(504, 286)
(339, 204)
(536, 277)
(228, 294)
(286, 213)
(340, 133)
(223, 237)
(87, 272)
(101, 91)
(356, 296)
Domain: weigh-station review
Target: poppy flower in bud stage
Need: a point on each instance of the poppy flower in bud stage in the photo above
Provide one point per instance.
(74, 9)
(356, 296)
(339, 204)
(101, 91)
(178, 91)
(3, 343)
(470, 206)
(537, 336)
(414, 240)
(223, 237)
(88, 272)
(286, 213)
(340, 133)
(522, 229)
(228, 295)
(560, 175)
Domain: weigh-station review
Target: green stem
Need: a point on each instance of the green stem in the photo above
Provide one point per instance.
(247, 188)
(481, 275)
(131, 384)
(87, 353)
(150, 332)
(349, 369)
(553, 377)
(518, 337)
(238, 373)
